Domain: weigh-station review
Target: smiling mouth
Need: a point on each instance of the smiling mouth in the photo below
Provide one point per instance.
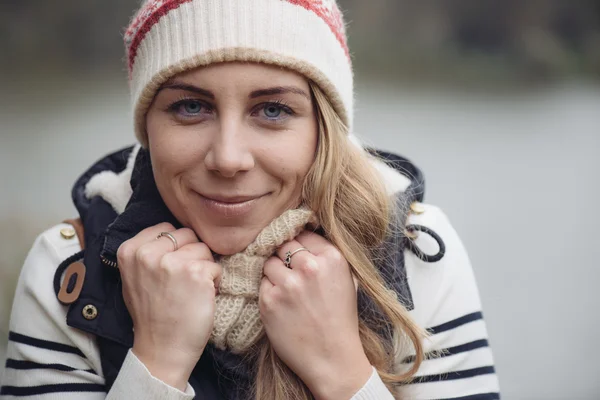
(229, 206)
(230, 199)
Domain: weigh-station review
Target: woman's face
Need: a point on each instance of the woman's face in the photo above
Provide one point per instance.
(231, 144)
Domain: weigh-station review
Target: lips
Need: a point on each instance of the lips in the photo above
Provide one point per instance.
(230, 199)
(229, 206)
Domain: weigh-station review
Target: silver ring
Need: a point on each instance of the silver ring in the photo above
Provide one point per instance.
(288, 256)
(167, 234)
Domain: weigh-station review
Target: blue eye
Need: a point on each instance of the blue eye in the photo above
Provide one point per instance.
(272, 110)
(189, 108)
(192, 107)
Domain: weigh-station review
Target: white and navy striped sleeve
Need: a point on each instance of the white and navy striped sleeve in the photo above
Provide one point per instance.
(446, 302)
(47, 359)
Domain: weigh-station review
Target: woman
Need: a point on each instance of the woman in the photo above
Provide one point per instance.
(249, 248)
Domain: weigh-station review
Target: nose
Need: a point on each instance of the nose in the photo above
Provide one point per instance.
(229, 153)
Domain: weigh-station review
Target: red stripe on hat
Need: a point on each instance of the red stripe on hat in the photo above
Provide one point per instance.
(155, 17)
(148, 24)
(310, 5)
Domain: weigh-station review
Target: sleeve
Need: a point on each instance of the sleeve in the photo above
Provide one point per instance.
(47, 359)
(459, 362)
(374, 389)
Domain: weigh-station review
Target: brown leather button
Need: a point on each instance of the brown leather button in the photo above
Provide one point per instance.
(66, 297)
(89, 312)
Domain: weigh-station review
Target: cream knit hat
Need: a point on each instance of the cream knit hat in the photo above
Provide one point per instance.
(167, 37)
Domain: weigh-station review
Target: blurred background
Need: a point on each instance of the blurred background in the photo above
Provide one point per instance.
(498, 101)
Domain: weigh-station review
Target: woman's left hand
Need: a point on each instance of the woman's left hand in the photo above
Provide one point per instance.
(310, 315)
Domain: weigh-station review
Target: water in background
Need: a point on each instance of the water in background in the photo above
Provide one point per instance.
(518, 174)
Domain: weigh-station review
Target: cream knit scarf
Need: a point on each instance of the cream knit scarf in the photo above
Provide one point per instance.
(237, 319)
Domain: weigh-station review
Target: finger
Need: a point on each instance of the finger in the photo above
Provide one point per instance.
(265, 294)
(298, 258)
(265, 284)
(202, 270)
(188, 255)
(275, 271)
(194, 251)
(150, 233)
(165, 244)
(129, 249)
(215, 271)
(151, 253)
(316, 243)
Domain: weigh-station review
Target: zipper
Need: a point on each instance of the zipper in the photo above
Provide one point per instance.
(110, 263)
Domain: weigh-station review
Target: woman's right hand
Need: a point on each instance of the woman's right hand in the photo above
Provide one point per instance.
(170, 295)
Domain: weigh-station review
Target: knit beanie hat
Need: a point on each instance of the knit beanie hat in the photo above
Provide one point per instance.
(167, 37)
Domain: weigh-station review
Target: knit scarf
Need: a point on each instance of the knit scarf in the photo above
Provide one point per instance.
(237, 319)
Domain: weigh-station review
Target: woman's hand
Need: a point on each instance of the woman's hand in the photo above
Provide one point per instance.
(310, 315)
(170, 295)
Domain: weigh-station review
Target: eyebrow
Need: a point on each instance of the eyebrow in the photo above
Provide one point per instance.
(257, 93)
(187, 88)
(278, 90)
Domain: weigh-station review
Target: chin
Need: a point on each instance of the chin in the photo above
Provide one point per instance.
(227, 241)
(226, 249)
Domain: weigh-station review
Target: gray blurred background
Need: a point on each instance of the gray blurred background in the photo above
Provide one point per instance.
(497, 101)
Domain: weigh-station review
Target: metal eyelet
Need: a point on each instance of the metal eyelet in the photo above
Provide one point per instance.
(89, 312)
(412, 235)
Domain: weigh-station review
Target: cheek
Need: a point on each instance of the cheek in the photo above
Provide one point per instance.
(294, 156)
(173, 157)
(173, 147)
(163, 164)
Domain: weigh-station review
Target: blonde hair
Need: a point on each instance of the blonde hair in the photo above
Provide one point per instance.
(355, 212)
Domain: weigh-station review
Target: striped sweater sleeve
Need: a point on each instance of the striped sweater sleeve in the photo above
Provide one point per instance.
(47, 359)
(447, 302)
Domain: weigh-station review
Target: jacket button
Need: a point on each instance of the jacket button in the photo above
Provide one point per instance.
(417, 208)
(89, 312)
(67, 233)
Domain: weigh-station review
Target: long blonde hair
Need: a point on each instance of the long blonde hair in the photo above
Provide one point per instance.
(355, 212)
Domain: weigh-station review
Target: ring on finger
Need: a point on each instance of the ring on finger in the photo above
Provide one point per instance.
(167, 234)
(288, 256)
